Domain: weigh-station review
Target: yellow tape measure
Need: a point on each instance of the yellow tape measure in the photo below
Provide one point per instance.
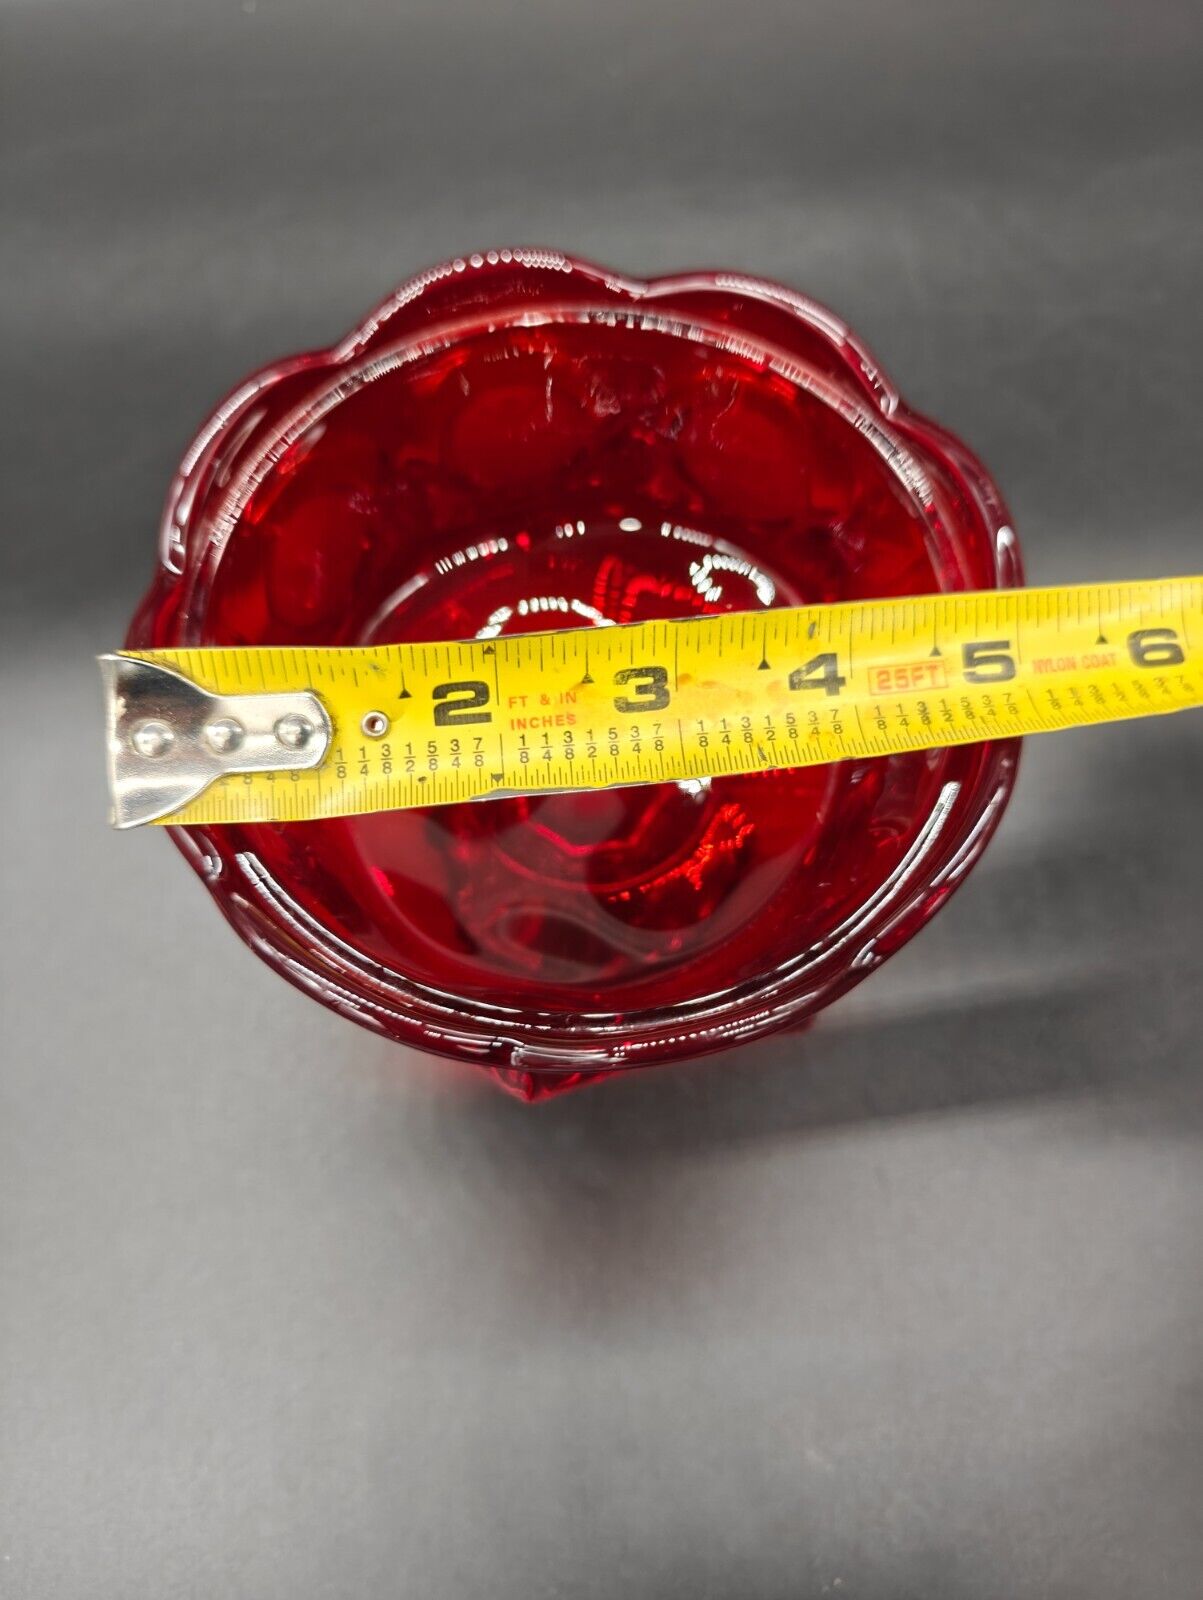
(267, 734)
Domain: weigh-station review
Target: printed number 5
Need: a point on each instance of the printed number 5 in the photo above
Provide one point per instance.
(987, 661)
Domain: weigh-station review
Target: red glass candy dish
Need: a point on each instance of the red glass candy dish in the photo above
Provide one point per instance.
(523, 442)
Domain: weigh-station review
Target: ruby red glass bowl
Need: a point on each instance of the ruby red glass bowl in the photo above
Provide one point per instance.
(522, 442)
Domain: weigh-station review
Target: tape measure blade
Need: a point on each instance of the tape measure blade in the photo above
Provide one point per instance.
(440, 723)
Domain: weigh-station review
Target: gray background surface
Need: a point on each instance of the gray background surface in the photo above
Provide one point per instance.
(910, 1307)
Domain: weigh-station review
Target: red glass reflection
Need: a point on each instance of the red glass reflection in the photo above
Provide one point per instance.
(525, 445)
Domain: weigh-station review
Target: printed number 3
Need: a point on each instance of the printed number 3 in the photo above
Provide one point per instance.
(649, 689)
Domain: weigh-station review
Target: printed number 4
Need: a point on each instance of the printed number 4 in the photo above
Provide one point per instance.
(821, 672)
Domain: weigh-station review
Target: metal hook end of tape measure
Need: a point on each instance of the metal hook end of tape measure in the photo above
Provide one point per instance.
(167, 739)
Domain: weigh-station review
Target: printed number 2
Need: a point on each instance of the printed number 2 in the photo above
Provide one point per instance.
(465, 708)
(649, 689)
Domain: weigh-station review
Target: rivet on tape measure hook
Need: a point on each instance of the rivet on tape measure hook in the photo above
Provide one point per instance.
(262, 733)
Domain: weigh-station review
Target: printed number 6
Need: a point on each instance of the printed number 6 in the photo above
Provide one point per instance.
(1155, 647)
